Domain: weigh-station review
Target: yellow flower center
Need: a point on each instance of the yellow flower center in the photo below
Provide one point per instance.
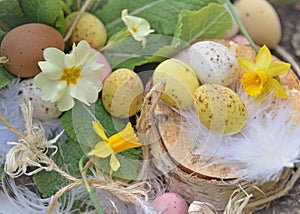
(135, 29)
(70, 75)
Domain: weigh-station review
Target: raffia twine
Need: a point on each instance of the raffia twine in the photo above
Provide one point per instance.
(125, 192)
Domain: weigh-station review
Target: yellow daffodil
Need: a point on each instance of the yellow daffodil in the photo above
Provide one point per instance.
(138, 27)
(259, 75)
(67, 76)
(126, 139)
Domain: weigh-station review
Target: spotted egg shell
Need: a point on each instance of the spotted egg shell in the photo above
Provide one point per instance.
(180, 82)
(220, 109)
(24, 45)
(88, 28)
(122, 93)
(213, 63)
(42, 110)
(170, 203)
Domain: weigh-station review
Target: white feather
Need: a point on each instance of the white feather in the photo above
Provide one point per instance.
(267, 144)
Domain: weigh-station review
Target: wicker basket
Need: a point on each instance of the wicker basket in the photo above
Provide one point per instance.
(215, 185)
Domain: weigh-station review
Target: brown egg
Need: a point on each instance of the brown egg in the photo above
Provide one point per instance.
(24, 45)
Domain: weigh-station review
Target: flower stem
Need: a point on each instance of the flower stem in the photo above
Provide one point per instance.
(240, 24)
(87, 185)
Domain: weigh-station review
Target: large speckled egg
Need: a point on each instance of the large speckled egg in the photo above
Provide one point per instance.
(122, 93)
(213, 63)
(42, 110)
(261, 21)
(180, 83)
(170, 203)
(24, 45)
(88, 28)
(220, 109)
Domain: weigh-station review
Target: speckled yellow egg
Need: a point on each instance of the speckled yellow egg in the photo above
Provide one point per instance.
(261, 21)
(88, 28)
(24, 46)
(180, 83)
(220, 109)
(122, 93)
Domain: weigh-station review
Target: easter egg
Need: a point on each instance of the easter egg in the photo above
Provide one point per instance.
(88, 28)
(220, 109)
(170, 203)
(122, 93)
(42, 110)
(180, 83)
(261, 21)
(24, 46)
(213, 63)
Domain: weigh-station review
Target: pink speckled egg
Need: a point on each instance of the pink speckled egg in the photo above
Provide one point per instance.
(107, 68)
(170, 203)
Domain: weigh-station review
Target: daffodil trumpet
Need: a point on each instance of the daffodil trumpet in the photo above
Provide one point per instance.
(124, 140)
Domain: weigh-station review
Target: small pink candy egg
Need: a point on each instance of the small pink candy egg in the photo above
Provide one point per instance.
(170, 203)
(106, 66)
(240, 39)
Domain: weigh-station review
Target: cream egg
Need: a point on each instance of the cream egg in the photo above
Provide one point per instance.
(213, 63)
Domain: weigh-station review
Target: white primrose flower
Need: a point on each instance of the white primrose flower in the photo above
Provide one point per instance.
(67, 76)
(138, 27)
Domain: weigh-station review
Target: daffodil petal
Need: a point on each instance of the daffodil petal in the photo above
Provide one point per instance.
(101, 150)
(66, 102)
(247, 64)
(275, 87)
(50, 70)
(98, 128)
(114, 162)
(263, 58)
(54, 56)
(278, 68)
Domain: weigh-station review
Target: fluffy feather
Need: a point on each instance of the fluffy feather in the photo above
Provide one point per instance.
(265, 147)
(267, 144)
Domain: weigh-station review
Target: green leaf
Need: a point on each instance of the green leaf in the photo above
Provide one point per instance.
(49, 12)
(210, 22)
(82, 115)
(130, 162)
(5, 77)
(67, 158)
(161, 14)
(11, 14)
(2, 34)
(2, 173)
(129, 53)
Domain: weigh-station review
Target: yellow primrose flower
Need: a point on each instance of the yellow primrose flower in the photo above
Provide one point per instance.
(259, 77)
(126, 139)
(138, 27)
(67, 76)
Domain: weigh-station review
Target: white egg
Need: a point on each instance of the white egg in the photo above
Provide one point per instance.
(42, 110)
(213, 63)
